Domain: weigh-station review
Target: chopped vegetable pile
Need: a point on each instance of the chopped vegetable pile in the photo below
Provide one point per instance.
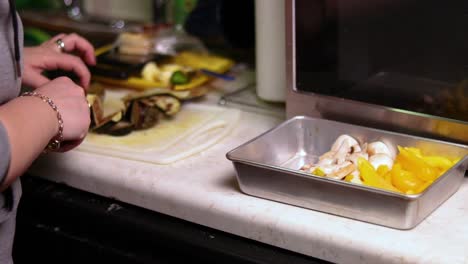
(141, 111)
(378, 165)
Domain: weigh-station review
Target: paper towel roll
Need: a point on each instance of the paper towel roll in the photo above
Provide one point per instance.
(270, 50)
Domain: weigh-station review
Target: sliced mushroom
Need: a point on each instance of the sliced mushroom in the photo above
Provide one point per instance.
(327, 158)
(355, 148)
(354, 157)
(342, 170)
(350, 141)
(328, 155)
(378, 147)
(326, 161)
(343, 151)
(380, 159)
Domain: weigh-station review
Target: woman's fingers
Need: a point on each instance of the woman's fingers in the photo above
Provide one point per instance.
(72, 63)
(52, 43)
(57, 49)
(74, 43)
(55, 38)
(34, 78)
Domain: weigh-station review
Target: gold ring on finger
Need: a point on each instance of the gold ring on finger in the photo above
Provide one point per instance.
(60, 44)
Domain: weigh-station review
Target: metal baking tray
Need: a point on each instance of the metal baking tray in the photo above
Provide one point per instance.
(268, 167)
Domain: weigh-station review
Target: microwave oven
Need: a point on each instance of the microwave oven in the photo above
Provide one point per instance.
(399, 65)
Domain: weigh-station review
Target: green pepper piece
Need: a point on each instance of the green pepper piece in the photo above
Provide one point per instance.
(178, 77)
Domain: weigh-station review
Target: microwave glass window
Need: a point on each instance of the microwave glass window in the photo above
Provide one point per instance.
(406, 54)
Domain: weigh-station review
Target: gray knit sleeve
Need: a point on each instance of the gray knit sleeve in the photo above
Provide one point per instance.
(5, 154)
(4, 162)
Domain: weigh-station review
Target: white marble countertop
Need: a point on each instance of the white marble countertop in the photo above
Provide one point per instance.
(203, 189)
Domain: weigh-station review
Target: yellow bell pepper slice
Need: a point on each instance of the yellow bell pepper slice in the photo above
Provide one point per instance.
(382, 170)
(318, 172)
(349, 178)
(410, 162)
(423, 187)
(388, 177)
(404, 180)
(415, 151)
(371, 178)
(439, 162)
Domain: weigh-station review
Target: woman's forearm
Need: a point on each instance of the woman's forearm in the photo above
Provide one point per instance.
(30, 124)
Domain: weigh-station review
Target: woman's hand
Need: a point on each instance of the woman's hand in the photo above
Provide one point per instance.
(71, 102)
(49, 56)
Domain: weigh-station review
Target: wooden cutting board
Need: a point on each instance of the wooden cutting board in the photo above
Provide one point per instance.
(194, 129)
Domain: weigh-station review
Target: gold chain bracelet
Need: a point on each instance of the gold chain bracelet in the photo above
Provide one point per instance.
(54, 143)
